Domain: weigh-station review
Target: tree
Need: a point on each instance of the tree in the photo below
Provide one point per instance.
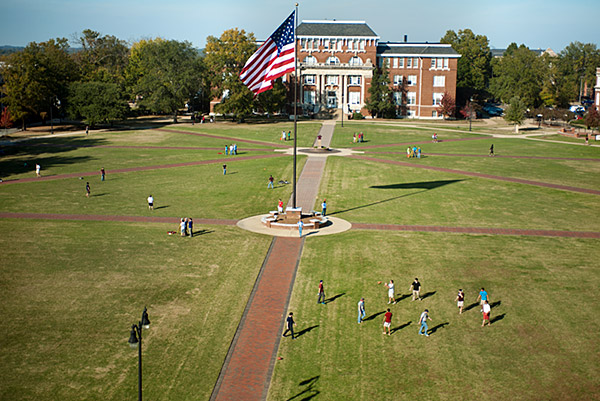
(5, 119)
(468, 112)
(101, 58)
(381, 98)
(225, 58)
(164, 74)
(592, 118)
(474, 66)
(37, 78)
(515, 112)
(97, 102)
(447, 105)
(274, 100)
(520, 72)
(576, 65)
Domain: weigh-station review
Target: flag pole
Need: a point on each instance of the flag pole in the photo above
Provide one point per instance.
(295, 101)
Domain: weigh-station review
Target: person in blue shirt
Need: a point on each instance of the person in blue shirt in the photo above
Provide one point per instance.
(483, 296)
(324, 207)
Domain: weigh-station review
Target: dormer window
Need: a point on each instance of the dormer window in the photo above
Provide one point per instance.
(310, 60)
(355, 61)
(333, 60)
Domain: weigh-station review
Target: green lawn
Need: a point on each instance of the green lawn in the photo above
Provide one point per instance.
(542, 343)
(72, 290)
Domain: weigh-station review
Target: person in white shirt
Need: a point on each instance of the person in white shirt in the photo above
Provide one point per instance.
(150, 202)
(486, 313)
(391, 295)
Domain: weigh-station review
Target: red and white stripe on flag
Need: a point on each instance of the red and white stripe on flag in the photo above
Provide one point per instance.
(275, 58)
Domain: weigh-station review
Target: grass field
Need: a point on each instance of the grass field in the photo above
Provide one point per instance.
(70, 290)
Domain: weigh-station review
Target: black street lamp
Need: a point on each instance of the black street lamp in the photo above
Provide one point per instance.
(135, 341)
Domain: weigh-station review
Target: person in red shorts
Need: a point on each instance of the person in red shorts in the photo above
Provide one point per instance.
(387, 322)
(486, 313)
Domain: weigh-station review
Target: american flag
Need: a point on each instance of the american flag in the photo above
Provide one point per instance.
(272, 60)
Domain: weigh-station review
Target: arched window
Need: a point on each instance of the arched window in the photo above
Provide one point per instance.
(355, 61)
(333, 60)
(310, 60)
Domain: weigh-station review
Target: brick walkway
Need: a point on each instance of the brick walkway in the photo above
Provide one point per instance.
(227, 160)
(478, 230)
(481, 175)
(247, 370)
(495, 157)
(227, 139)
(389, 145)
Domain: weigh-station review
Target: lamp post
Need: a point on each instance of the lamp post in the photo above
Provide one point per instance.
(135, 341)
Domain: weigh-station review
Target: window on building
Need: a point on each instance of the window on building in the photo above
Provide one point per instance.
(362, 44)
(350, 43)
(395, 62)
(354, 97)
(439, 80)
(333, 60)
(434, 113)
(354, 61)
(397, 80)
(340, 44)
(309, 44)
(446, 63)
(416, 62)
(303, 43)
(409, 62)
(310, 60)
(354, 80)
(437, 99)
(309, 97)
(440, 62)
(432, 63)
(332, 80)
(411, 98)
(326, 43)
(412, 80)
(309, 79)
(401, 62)
(398, 98)
(387, 62)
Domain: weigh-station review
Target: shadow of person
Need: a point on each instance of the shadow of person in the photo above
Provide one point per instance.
(402, 297)
(395, 329)
(494, 304)
(309, 392)
(373, 316)
(161, 207)
(439, 326)
(306, 330)
(202, 232)
(428, 294)
(497, 318)
(333, 298)
(474, 304)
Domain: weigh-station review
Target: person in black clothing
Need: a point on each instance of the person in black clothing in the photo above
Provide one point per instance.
(290, 325)
(492, 150)
(416, 288)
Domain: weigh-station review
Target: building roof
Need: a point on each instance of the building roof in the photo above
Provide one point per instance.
(538, 52)
(335, 29)
(415, 49)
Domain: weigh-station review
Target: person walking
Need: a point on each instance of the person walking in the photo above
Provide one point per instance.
(324, 207)
(290, 323)
(102, 174)
(460, 301)
(282, 138)
(38, 168)
(483, 296)
(224, 169)
(87, 190)
(270, 184)
(492, 150)
(416, 289)
(235, 149)
(387, 322)
(321, 299)
(300, 226)
(280, 206)
(423, 322)
(419, 152)
(391, 296)
(226, 150)
(87, 130)
(487, 309)
(191, 227)
(151, 202)
(408, 152)
(231, 150)
(289, 136)
(361, 310)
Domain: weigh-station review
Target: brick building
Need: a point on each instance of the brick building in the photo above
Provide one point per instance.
(597, 90)
(336, 60)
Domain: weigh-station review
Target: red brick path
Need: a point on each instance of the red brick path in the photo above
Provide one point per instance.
(389, 145)
(247, 370)
(478, 230)
(225, 138)
(497, 156)
(227, 160)
(481, 175)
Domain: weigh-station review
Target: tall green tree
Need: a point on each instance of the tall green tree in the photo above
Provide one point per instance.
(576, 66)
(102, 58)
(515, 112)
(381, 96)
(164, 74)
(97, 102)
(520, 72)
(37, 78)
(474, 66)
(225, 58)
(273, 100)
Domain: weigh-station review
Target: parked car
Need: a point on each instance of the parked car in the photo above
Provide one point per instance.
(493, 110)
(577, 109)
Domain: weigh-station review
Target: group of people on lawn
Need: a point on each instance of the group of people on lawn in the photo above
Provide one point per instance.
(231, 149)
(413, 152)
(358, 137)
(286, 137)
(415, 287)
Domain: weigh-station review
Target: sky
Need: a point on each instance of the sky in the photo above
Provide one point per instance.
(535, 23)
